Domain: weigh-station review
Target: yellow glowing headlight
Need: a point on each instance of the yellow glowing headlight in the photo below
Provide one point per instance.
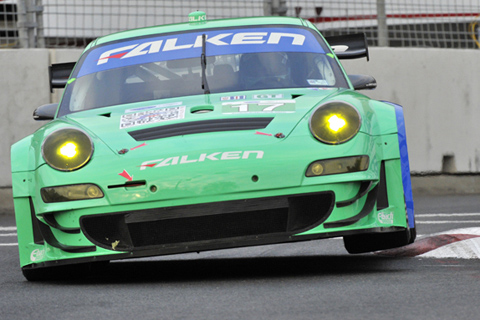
(67, 149)
(335, 122)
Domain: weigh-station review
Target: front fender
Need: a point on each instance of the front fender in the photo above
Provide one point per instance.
(22, 155)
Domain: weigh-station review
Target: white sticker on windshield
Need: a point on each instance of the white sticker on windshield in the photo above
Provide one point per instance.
(151, 116)
(317, 82)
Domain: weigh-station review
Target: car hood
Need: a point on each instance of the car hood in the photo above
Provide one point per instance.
(171, 122)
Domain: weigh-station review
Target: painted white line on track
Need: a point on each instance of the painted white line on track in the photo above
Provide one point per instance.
(8, 228)
(428, 215)
(8, 234)
(8, 244)
(446, 221)
(470, 230)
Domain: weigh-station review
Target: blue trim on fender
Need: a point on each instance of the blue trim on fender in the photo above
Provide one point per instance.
(405, 165)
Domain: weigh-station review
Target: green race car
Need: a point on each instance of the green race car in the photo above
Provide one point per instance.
(206, 135)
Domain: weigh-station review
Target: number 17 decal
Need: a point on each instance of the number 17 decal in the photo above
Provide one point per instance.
(275, 106)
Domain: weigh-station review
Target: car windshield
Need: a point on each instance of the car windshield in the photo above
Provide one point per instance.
(171, 66)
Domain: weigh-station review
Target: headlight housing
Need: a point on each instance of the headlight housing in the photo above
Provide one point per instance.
(335, 122)
(71, 192)
(67, 149)
(337, 166)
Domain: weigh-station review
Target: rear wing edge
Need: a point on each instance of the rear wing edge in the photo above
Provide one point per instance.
(350, 46)
(59, 74)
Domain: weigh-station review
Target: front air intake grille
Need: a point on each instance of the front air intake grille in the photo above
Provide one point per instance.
(137, 230)
(222, 226)
(216, 125)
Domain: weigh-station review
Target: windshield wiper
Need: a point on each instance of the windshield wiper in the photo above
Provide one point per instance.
(203, 61)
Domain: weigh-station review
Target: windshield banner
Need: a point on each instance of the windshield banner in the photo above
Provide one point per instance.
(189, 45)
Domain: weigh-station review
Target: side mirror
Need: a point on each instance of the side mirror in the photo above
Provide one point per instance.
(362, 82)
(45, 112)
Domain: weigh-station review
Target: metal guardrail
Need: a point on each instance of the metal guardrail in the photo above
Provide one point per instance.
(396, 23)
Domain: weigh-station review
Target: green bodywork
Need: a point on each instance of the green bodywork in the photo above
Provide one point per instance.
(203, 168)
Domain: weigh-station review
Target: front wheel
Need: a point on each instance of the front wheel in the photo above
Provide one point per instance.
(369, 242)
(413, 235)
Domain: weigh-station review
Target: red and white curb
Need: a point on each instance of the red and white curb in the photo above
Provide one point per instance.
(459, 243)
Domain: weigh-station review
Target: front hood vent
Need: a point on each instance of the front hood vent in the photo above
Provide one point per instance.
(216, 125)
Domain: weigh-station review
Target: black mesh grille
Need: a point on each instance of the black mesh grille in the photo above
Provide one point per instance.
(208, 222)
(209, 227)
(216, 125)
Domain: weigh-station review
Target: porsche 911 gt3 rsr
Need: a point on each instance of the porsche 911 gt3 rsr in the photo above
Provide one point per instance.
(206, 135)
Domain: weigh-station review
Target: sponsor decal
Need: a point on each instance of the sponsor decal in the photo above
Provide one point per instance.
(263, 133)
(125, 150)
(268, 106)
(233, 98)
(268, 96)
(222, 39)
(214, 156)
(164, 105)
(37, 255)
(189, 45)
(385, 218)
(126, 175)
(139, 146)
(151, 116)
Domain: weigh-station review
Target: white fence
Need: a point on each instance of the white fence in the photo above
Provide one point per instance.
(398, 23)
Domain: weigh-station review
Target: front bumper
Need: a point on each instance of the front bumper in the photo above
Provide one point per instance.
(216, 225)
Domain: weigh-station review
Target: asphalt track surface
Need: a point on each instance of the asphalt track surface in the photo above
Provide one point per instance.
(437, 277)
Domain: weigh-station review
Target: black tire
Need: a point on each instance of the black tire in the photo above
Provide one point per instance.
(413, 235)
(369, 242)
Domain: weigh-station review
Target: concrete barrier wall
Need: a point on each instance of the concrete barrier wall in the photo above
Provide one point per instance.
(24, 86)
(439, 90)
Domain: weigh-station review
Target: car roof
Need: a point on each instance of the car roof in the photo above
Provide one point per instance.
(192, 26)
